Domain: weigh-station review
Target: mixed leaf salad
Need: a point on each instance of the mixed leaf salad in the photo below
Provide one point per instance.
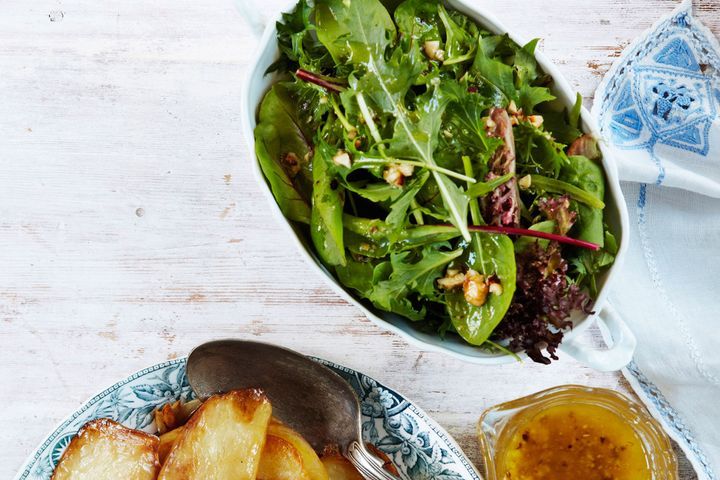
(434, 171)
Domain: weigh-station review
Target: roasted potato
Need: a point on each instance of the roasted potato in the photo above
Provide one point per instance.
(105, 450)
(340, 468)
(223, 440)
(167, 441)
(175, 414)
(280, 460)
(311, 462)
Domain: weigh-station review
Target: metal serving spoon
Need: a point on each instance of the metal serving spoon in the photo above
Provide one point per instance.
(305, 395)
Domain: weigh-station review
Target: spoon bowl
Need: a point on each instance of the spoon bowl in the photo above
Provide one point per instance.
(306, 396)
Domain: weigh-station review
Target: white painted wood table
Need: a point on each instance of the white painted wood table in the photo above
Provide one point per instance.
(131, 228)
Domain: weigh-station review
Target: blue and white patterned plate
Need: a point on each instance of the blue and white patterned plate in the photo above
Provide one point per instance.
(418, 447)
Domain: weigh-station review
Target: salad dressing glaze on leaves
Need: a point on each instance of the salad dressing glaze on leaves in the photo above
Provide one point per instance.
(396, 132)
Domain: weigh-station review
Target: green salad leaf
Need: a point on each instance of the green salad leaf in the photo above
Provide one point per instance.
(489, 255)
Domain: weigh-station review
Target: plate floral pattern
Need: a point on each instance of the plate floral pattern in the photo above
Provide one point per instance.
(419, 448)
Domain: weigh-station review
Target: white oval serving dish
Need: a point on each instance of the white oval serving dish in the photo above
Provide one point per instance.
(614, 328)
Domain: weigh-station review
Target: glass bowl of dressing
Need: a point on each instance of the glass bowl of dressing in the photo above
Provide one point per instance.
(574, 432)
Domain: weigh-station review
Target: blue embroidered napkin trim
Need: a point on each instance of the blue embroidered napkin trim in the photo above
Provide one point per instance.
(666, 91)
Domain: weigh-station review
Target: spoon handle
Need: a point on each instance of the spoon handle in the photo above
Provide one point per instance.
(369, 466)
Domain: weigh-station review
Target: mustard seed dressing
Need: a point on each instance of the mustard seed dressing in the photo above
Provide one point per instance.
(570, 442)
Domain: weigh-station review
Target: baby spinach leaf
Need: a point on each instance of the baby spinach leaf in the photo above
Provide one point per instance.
(589, 176)
(356, 275)
(354, 30)
(488, 255)
(326, 226)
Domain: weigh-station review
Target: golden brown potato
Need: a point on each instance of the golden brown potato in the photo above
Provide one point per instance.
(105, 450)
(312, 465)
(339, 468)
(280, 460)
(167, 441)
(175, 414)
(223, 440)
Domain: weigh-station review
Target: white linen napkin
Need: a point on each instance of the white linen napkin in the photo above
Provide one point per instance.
(658, 110)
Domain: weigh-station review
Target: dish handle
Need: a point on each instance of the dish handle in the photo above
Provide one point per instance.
(249, 10)
(618, 336)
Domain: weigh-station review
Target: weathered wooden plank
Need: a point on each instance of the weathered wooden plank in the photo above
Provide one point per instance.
(131, 228)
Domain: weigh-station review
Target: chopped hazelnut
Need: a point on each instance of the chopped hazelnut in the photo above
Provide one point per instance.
(453, 279)
(342, 158)
(475, 288)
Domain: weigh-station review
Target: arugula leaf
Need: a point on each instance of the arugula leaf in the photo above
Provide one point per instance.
(353, 30)
(399, 209)
(298, 45)
(326, 225)
(492, 71)
(463, 127)
(417, 21)
(416, 137)
(537, 151)
(540, 184)
(488, 255)
(564, 125)
(458, 42)
(392, 293)
(530, 97)
(525, 64)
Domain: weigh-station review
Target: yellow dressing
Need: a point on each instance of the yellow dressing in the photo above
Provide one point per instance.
(569, 442)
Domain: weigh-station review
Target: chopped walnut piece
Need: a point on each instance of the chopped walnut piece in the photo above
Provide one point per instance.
(342, 158)
(432, 50)
(453, 279)
(536, 120)
(395, 173)
(494, 285)
(475, 288)
(525, 182)
(291, 164)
